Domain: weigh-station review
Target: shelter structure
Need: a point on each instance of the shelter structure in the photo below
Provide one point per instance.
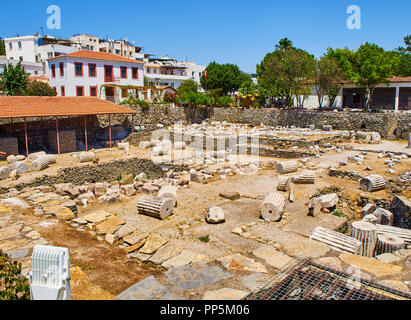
(57, 107)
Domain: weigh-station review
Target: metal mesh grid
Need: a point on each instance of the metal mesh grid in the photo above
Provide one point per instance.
(306, 280)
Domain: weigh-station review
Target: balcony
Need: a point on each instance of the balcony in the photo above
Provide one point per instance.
(111, 79)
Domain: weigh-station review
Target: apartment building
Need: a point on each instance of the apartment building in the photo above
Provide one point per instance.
(121, 47)
(169, 72)
(33, 68)
(37, 49)
(95, 74)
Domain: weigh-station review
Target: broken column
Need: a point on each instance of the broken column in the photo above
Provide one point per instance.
(160, 208)
(286, 167)
(34, 156)
(409, 140)
(367, 234)
(384, 217)
(388, 244)
(337, 240)
(169, 192)
(404, 234)
(373, 183)
(370, 218)
(40, 163)
(306, 177)
(272, 208)
(86, 157)
(284, 184)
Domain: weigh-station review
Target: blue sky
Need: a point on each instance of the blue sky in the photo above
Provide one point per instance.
(226, 31)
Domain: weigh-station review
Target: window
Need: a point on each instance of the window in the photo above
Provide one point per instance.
(63, 91)
(92, 70)
(10, 46)
(93, 91)
(118, 52)
(19, 44)
(53, 70)
(78, 67)
(134, 73)
(21, 59)
(80, 91)
(123, 72)
(50, 55)
(61, 67)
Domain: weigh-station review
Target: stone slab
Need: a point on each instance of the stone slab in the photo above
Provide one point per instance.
(10, 232)
(225, 294)
(166, 252)
(239, 262)
(184, 258)
(371, 265)
(189, 277)
(153, 243)
(147, 289)
(254, 281)
(273, 257)
(110, 225)
(96, 217)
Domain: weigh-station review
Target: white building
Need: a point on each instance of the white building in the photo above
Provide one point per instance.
(169, 72)
(91, 73)
(33, 68)
(37, 49)
(121, 47)
(394, 96)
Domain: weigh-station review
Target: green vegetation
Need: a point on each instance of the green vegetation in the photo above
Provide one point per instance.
(204, 238)
(14, 80)
(13, 286)
(225, 77)
(2, 47)
(37, 88)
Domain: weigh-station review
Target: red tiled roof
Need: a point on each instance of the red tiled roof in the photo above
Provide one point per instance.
(165, 87)
(400, 79)
(21, 107)
(94, 55)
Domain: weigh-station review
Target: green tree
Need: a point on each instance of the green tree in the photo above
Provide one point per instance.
(404, 58)
(187, 86)
(227, 77)
(14, 80)
(329, 79)
(285, 72)
(2, 47)
(37, 88)
(372, 66)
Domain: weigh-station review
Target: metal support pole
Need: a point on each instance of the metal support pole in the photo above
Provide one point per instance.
(85, 131)
(25, 136)
(109, 128)
(57, 135)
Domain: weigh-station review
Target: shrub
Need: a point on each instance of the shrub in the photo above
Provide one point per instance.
(225, 102)
(170, 97)
(13, 286)
(37, 88)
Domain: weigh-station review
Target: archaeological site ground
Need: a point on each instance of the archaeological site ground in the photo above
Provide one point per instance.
(216, 204)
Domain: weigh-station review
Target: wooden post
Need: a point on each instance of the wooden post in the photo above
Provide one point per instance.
(85, 132)
(109, 128)
(57, 135)
(25, 136)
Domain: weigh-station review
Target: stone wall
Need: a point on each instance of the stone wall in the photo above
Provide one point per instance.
(388, 125)
(108, 172)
